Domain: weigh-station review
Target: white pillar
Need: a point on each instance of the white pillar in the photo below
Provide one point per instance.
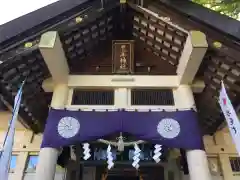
(198, 165)
(53, 54)
(194, 50)
(46, 166)
(121, 98)
(197, 159)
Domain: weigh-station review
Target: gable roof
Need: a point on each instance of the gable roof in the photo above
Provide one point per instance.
(50, 13)
(80, 40)
(196, 12)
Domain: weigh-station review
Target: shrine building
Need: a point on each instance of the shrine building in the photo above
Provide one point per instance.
(118, 89)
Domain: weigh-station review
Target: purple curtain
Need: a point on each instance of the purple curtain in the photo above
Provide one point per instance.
(93, 125)
(177, 129)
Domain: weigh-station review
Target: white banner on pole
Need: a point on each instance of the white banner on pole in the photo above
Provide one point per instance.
(6, 154)
(231, 117)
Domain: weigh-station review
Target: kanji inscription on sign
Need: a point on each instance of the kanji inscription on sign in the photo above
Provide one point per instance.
(123, 56)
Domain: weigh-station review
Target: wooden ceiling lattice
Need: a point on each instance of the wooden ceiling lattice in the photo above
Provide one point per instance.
(79, 42)
(30, 66)
(86, 35)
(220, 63)
(23, 60)
(159, 37)
(218, 67)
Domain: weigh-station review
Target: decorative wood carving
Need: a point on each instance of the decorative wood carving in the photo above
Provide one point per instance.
(123, 56)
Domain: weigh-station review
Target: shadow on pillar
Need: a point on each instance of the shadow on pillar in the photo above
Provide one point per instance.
(64, 157)
(183, 162)
(74, 171)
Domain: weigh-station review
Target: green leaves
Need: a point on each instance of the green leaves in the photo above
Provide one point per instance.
(229, 8)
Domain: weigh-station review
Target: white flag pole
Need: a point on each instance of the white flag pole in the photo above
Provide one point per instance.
(9, 139)
(17, 100)
(230, 116)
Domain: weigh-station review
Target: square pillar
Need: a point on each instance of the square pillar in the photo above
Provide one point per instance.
(198, 165)
(121, 98)
(48, 156)
(196, 159)
(51, 49)
(194, 50)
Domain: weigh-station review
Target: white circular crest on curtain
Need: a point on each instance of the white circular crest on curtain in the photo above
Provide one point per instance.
(168, 128)
(68, 127)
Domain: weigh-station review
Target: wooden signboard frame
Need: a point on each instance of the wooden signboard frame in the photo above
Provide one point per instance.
(122, 56)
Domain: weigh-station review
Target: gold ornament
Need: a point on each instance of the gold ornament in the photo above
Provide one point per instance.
(217, 44)
(28, 44)
(78, 19)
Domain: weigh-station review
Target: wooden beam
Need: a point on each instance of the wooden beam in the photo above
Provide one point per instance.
(219, 145)
(123, 81)
(51, 49)
(220, 149)
(198, 86)
(117, 81)
(10, 108)
(194, 50)
(48, 85)
(183, 97)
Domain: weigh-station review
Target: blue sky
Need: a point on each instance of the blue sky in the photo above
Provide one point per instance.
(32, 162)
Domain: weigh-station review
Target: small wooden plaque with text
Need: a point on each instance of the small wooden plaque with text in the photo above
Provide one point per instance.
(123, 56)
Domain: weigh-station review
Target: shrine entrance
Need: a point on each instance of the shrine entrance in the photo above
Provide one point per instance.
(126, 172)
(96, 166)
(119, 172)
(122, 178)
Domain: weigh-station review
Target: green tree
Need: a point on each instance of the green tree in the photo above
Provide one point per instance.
(230, 8)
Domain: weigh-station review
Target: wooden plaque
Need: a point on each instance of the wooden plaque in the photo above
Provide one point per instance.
(123, 56)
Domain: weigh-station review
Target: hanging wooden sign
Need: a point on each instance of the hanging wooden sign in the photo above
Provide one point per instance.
(123, 56)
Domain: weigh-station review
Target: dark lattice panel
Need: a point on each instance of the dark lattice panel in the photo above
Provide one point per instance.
(220, 63)
(223, 68)
(93, 97)
(80, 41)
(19, 49)
(60, 22)
(63, 23)
(161, 38)
(218, 66)
(152, 97)
(27, 64)
(235, 163)
(22, 59)
(3, 107)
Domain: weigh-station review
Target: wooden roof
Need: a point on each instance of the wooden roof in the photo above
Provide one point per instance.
(90, 26)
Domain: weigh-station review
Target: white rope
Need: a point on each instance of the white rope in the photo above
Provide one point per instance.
(124, 143)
